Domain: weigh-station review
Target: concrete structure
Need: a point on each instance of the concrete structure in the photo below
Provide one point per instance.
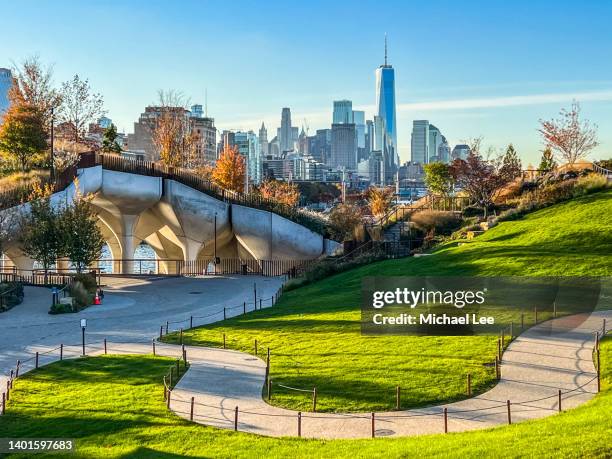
(178, 222)
(6, 81)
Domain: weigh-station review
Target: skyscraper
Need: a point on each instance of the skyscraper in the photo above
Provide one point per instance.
(343, 112)
(6, 80)
(385, 101)
(263, 139)
(344, 146)
(419, 145)
(285, 132)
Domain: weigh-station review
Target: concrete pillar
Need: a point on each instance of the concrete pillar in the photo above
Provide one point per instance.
(128, 242)
(63, 265)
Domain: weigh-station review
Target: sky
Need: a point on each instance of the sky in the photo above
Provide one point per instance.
(472, 68)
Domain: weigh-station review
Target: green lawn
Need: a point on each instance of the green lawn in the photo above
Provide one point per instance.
(314, 335)
(113, 407)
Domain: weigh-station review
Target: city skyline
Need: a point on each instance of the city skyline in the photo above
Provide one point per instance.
(467, 86)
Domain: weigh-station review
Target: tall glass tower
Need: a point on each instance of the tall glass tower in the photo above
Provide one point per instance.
(385, 100)
(6, 81)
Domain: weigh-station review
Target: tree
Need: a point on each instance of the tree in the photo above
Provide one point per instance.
(229, 171)
(344, 219)
(547, 163)
(380, 200)
(109, 141)
(511, 164)
(172, 136)
(22, 134)
(82, 240)
(40, 233)
(33, 84)
(438, 178)
(481, 178)
(281, 192)
(80, 106)
(568, 136)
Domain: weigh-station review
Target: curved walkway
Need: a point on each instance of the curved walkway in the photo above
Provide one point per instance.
(552, 356)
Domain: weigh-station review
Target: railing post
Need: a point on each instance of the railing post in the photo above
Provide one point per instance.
(299, 420)
(445, 420)
(373, 426)
(236, 419)
(191, 411)
(397, 398)
(509, 415)
(36, 361)
(469, 384)
(314, 400)
(559, 401)
(153, 342)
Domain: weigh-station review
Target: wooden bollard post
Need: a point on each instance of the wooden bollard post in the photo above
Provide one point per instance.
(191, 410)
(165, 386)
(373, 426)
(224, 313)
(190, 321)
(499, 349)
(61, 352)
(596, 341)
(10, 381)
(535, 310)
(153, 343)
(244, 307)
(36, 360)
(509, 415)
(184, 356)
(236, 419)
(469, 384)
(269, 389)
(3, 403)
(181, 338)
(397, 398)
(559, 400)
(445, 420)
(161, 331)
(598, 372)
(299, 423)
(496, 368)
(17, 369)
(255, 347)
(104, 346)
(223, 340)
(168, 398)
(314, 399)
(167, 327)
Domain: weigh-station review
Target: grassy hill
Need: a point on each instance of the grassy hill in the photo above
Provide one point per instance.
(314, 331)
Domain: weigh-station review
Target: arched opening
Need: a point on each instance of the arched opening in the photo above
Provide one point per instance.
(144, 262)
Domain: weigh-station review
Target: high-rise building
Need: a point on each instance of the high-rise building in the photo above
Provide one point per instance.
(428, 144)
(320, 146)
(6, 81)
(461, 151)
(263, 140)
(205, 134)
(343, 146)
(343, 112)
(385, 101)
(285, 135)
(369, 137)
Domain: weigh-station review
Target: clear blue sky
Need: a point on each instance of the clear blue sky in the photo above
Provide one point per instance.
(477, 68)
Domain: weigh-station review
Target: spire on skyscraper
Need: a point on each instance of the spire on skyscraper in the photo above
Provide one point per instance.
(385, 49)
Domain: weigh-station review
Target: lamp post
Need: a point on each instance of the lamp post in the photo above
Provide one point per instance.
(83, 326)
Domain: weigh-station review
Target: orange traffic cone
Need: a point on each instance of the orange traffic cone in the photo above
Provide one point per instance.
(97, 299)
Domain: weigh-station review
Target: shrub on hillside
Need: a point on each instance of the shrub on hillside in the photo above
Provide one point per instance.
(440, 222)
(12, 295)
(590, 184)
(88, 280)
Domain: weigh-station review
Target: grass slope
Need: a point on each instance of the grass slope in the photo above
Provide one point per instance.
(314, 334)
(112, 406)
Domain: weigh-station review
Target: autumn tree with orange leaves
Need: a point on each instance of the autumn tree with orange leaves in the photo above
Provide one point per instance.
(229, 172)
(281, 192)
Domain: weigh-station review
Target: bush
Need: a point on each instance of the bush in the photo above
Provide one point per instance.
(88, 280)
(442, 223)
(81, 297)
(590, 184)
(12, 295)
(60, 309)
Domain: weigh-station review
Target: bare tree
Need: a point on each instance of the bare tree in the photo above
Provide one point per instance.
(80, 106)
(34, 85)
(172, 135)
(568, 136)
